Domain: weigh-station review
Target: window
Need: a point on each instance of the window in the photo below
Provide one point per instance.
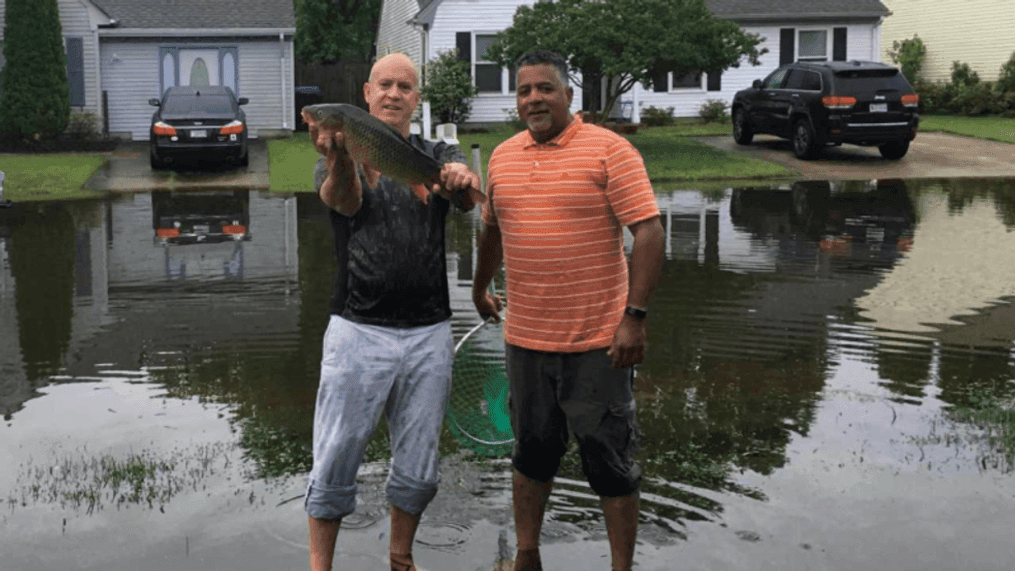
(488, 74)
(804, 80)
(687, 81)
(812, 45)
(186, 65)
(774, 80)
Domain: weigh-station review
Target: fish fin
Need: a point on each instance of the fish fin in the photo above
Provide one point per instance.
(477, 196)
(421, 192)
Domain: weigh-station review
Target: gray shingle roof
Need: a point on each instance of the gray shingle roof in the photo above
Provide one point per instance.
(200, 14)
(789, 8)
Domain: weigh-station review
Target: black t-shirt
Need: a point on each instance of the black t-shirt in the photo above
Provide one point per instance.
(391, 262)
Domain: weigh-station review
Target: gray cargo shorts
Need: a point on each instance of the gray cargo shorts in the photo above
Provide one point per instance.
(554, 394)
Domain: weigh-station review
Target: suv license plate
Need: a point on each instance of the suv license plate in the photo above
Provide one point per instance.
(203, 133)
(879, 107)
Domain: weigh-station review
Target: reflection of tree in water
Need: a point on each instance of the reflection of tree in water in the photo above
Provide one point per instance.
(968, 370)
(905, 371)
(42, 261)
(963, 192)
(739, 409)
(273, 390)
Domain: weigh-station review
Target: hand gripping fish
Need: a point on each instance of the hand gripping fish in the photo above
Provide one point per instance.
(377, 145)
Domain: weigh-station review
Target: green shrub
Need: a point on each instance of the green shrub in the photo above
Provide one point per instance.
(909, 55)
(34, 96)
(513, 120)
(449, 88)
(83, 127)
(975, 99)
(655, 117)
(962, 74)
(714, 111)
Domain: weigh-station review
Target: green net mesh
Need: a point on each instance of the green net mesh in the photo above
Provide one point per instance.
(478, 413)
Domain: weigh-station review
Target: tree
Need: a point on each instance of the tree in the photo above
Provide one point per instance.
(624, 42)
(909, 55)
(332, 30)
(34, 95)
(449, 88)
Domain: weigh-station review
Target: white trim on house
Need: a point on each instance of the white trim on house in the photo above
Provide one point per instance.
(191, 32)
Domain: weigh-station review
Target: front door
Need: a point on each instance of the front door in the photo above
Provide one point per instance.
(199, 67)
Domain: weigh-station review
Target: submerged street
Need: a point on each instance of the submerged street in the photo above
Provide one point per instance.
(828, 385)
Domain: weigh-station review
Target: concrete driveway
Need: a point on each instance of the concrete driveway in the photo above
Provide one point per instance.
(128, 170)
(931, 155)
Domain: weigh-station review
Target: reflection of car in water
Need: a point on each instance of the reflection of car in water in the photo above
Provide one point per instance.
(192, 217)
(855, 220)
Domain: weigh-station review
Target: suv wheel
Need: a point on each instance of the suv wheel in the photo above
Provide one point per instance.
(742, 133)
(894, 151)
(156, 163)
(803, 139)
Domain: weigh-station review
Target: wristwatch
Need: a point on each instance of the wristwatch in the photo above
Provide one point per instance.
(636, 312)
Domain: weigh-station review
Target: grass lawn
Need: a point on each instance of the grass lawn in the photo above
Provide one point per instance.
(983, 127)
(668, 152)
(49, 176)
(291, 163)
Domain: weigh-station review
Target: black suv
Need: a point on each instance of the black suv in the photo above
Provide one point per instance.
(814, 104)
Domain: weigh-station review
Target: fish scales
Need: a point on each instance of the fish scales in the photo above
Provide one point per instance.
(379, 146)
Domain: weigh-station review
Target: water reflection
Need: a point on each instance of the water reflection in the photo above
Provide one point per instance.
(778, 305)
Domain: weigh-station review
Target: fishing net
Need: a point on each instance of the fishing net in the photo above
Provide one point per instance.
(478, 412)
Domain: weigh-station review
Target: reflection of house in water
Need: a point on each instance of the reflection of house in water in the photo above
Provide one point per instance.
(135, 296)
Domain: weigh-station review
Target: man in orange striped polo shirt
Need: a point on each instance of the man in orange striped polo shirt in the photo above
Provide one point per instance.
(560, 194)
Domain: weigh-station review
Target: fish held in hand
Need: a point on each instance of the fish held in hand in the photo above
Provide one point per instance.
(377, 145)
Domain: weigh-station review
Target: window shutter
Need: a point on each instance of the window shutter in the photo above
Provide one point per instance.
(76, 71)
(715, 81)
(787, 46)
(839, 44)
(463, 41)
(659, 81)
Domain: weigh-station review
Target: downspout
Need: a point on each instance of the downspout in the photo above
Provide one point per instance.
(281, 77)
(876, 40)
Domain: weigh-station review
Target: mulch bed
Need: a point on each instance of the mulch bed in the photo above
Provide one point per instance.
(58, 145)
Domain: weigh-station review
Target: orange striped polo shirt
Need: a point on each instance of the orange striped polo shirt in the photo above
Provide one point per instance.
(561, 208)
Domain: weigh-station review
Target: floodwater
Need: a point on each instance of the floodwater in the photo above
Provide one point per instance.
(829, 385)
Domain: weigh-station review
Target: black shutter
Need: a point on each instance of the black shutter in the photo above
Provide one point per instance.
(787, 45)
(659, 81)
(715, 81)
(839, 44)
(76, 71)
(463, 40)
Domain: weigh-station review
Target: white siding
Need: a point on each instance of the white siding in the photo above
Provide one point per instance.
(483, 17)
(394, 35)
(130, 75)
(687, 102)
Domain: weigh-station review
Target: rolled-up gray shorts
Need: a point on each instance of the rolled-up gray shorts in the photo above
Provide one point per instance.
(367, 370)
(554, 394)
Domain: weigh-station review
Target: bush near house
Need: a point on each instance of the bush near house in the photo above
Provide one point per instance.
(449, 88)
(35, 99)
(966, 94)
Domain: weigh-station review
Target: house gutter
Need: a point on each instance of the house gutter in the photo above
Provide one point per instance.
(191, 32)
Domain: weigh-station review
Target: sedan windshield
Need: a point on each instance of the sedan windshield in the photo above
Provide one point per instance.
(196, 104)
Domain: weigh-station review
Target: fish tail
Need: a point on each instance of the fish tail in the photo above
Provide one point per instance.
(421, 192)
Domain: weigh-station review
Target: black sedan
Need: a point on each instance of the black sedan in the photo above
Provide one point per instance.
(198, 123)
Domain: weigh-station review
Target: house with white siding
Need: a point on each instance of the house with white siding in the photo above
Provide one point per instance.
(815, 30)
(979, 35)
(121, 53)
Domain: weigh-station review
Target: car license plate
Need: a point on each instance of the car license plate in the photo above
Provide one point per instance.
(203, 133)
(879, 107)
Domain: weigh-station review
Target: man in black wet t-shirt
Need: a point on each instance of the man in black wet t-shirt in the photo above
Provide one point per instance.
(388, 347)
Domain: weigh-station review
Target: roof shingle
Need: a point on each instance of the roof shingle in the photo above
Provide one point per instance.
(200, 14)
(789, 8)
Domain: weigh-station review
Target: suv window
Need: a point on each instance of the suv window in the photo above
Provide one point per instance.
(804, 79)
(870, 80)
(181, 104)
(775, 79)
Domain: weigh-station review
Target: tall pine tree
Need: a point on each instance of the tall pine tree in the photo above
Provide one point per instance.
(35, 99)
